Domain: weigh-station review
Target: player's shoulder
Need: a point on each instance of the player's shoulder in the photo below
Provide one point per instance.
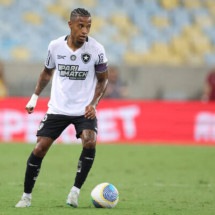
(94, 44)
(56, 42)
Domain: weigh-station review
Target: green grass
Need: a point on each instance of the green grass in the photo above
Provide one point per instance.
(152, 180)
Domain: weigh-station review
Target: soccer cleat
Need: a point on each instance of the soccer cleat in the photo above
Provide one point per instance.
(72, 199)
(24, 202)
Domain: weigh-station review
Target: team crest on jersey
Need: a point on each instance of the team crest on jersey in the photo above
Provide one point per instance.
(85, 57)
(72, 57)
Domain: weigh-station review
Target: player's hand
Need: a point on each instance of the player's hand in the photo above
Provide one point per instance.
(31, 104)
(90, 112)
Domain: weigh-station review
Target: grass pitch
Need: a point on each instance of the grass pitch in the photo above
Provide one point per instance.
(152, 180)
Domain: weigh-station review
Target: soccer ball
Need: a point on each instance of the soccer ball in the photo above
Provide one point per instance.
(105, 195)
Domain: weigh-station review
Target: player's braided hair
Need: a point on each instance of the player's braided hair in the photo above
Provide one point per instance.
(79, 12)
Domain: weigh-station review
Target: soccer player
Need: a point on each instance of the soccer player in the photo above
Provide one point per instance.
(77, 65)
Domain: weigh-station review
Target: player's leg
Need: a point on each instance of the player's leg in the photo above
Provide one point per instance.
(84, 165)
(50, 128)
(34, 162)
(88, 137)
(33, 168)
(87, 156)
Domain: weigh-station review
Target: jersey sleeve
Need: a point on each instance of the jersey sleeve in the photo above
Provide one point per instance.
(50, 63)
(101, 62)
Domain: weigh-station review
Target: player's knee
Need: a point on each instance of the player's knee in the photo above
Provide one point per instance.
(42, 147)
(89, 143)
(40, 151)
(88, 139)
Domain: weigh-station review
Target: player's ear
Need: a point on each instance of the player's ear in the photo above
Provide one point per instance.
(70, 24)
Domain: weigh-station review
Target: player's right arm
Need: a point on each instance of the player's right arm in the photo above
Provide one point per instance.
(44, 78)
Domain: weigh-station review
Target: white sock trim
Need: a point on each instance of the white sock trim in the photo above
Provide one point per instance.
(75, 189)
(28, 195)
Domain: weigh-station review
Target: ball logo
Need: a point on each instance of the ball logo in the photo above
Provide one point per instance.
(110, 193)
(85, 57)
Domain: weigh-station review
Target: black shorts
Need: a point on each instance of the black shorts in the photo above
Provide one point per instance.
(53, 125)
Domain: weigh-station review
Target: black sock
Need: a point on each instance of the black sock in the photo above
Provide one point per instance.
(32, 171)
(84, 165)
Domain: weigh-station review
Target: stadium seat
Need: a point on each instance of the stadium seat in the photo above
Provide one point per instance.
(169, 4)
(203, 20)
(57, 9)
(211, 8)
(32, 18)
(160, 53)
(63, 3)
(180, 46)
(6, 3)
(123, 23)
(20, 53)
(192, 4)
(160, 21)
(151, 6)
(191, 31)
(133, 59)
(97, 25)
(89, 3)
(209, 3)
(198, 41)
(201, 45)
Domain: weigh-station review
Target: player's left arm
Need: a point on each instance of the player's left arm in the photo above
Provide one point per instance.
(102, 77)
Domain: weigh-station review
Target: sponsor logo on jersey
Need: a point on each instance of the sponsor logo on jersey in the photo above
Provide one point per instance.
(85, 57)
(61, 56)
(71, 71)
(72, 57)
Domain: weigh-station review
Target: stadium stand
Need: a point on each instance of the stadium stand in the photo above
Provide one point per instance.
(138, 32)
